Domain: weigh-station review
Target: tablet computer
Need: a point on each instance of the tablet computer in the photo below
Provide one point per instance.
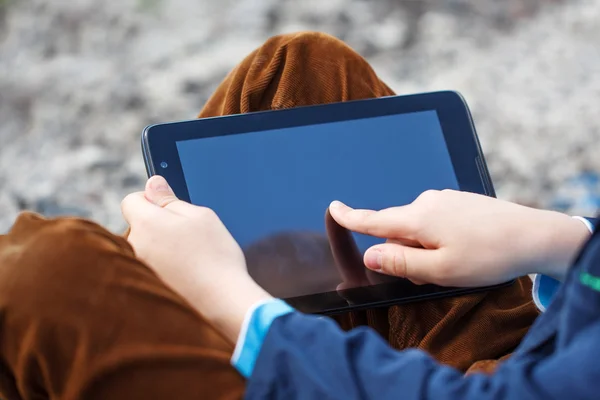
(270, 177)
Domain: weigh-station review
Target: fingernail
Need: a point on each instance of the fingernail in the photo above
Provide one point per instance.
(336, 204)
(159, 184)
(162, 187)
(374, 259)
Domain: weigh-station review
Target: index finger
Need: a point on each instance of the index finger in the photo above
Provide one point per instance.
(135, 206)
(387, 223)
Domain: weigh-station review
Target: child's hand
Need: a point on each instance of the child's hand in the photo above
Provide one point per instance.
(455, 238)
(192, 251)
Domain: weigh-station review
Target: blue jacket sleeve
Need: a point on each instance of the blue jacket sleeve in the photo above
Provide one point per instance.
(308, 358)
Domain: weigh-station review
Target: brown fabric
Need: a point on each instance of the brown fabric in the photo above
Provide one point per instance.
(295, 70)
(463, 330)
(82, 318)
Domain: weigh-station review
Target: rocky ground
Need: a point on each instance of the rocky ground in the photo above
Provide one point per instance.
(80, 79)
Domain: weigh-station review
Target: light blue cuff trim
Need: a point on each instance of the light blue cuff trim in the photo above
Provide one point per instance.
(586, 222)
(256, 325)
(544, 289)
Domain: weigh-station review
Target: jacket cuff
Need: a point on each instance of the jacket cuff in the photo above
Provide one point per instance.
(255, 327)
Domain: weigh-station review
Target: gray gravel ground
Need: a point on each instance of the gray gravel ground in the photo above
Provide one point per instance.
(80, 79)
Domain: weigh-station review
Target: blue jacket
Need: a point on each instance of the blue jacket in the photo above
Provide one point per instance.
(306, 357)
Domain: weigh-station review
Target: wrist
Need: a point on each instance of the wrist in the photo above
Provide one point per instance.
(562, 237)
(226, 304)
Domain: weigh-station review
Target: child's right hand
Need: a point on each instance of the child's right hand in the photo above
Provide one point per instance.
(453, 238)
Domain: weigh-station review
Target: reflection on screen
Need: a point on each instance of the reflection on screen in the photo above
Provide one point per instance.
(271, 188)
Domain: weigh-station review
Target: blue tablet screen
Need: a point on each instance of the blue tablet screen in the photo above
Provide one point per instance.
(271, 188)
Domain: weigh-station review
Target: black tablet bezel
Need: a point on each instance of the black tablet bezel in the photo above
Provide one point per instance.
(159, 145)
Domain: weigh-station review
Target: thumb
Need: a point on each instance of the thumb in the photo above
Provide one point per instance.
(416, 264)
(159, 192)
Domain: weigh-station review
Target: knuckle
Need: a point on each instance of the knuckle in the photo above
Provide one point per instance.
(418, 220)
(166, 200)
(127, 200)
(205, 214)
(428, 196)
(141, 223)
(397, 264)
(428, 202)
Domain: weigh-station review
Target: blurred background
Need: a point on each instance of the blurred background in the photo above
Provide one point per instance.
(80, 79)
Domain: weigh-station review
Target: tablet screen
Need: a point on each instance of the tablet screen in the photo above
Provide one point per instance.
(271, 188)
